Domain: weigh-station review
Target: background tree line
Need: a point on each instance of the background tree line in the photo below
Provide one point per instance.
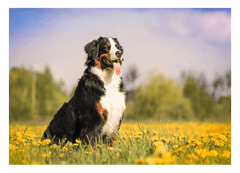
(161, 98)
(35, 95)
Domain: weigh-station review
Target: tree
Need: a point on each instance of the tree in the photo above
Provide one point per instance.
(20, 94)
(157, 97)
(200, 99)
(45, 92)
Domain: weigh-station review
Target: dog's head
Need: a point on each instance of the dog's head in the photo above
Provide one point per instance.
(105, 53)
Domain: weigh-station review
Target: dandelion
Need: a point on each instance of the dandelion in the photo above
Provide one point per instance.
(35, 143)
(64, 148)
(201, 152)
(226, 154)
(12, 147)
(75, 145)
(78, 141)
(54, 146)
(189, 162)
(166, 159)
(180, 150)
(45, 155)
(154, 138)
(222, 137)
(150, 160)
(88, 153)
(219, 143)
(110, 148)
(138, 137)
(139, 133)
(165, 140)
(175, 146)
(120, 150)
(213, 153)
(160, 149)
(61, 155)
(69, 143)
(46, 141)
(192, 157)
(140, 161)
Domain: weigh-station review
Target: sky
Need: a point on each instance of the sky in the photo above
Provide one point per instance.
(164, 39)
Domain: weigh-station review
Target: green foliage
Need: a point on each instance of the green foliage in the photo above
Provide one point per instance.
(45, 92)
(200, 99)
(160, 98)
(222, 109)
(49, 96)
(20, 90)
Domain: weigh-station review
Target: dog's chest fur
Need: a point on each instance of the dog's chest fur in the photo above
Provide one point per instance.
(113, 100)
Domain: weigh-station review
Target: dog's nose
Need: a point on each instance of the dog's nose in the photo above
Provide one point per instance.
(119, 54)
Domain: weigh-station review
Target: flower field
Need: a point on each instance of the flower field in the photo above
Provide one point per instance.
(173, 143)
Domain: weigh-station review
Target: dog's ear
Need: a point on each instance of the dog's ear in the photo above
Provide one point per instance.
(92, 49)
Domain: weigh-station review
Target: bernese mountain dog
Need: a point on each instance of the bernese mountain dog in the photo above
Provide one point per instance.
(97, 107)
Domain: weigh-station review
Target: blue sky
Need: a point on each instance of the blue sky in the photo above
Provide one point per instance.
(166, 40)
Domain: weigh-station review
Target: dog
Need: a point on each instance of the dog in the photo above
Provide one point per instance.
(96, 110)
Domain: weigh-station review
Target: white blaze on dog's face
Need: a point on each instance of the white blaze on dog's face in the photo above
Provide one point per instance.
(115, 56)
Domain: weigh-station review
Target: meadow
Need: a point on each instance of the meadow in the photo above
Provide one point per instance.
(172, 143)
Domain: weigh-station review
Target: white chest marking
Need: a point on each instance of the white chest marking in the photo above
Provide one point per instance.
(113, 100)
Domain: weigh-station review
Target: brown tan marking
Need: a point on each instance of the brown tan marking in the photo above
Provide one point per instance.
(103, 57)
(99, 109)
(102, 112)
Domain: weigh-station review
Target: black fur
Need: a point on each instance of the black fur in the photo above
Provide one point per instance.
(79, 118)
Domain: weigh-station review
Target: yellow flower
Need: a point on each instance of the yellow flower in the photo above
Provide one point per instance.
(54, 146)
(69, 143)
(46, 141)
(88, 153)
(198, 143)
(222, 137)
(226, 154)
(35, 143)
(98, 145)
(158, 143)
(138, 137)
(45, 155)
(139, 161)
(64, 148)
(154, 138)
(75, 145)
(213, 153)
(175, 146)
(160, 149)
(189, 162)
(78, 141)
(201, 152)
(166, 159)
(110, 148)
(164, 139)
(192, 157)
(120, 150)
(150, 160)
(219, 143)
(180, 149)
(61, 155)
(12, 147)
(138, 133)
